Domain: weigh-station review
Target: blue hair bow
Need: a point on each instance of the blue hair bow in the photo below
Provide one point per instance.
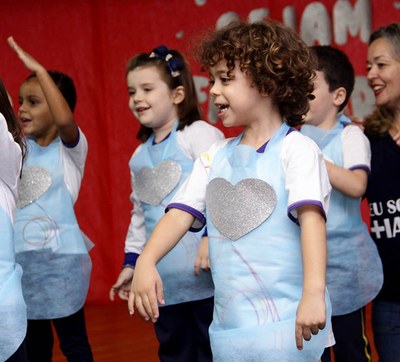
(175, 65)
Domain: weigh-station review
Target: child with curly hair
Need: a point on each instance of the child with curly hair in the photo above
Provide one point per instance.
(264, 195)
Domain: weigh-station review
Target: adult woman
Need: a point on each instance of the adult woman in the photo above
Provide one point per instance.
(383, 192)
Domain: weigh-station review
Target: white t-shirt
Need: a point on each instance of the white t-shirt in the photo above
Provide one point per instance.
(356, 149)
(306, 177)
(10, 166)
(193, 139)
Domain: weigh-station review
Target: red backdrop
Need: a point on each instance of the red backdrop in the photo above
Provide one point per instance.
(92, 40)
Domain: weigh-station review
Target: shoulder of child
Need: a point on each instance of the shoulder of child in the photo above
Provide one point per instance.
(207, 157)
(137, 149)
(198, 137)
(3, 124)
(353, 129)
(298, 148)
(296, 140)
(203, 127)
(7, 140)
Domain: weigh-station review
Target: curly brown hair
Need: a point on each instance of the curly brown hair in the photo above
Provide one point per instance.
(277, 61)
(381, 120)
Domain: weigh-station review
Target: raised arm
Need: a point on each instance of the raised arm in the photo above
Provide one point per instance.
(59, 107)
(311, 313)
(146, 290)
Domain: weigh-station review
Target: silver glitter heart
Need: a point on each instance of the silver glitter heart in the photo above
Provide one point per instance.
(35, 181)
(238, 209)
(153, 185)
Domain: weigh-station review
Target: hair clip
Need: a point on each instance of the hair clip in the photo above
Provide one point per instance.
(175, 65)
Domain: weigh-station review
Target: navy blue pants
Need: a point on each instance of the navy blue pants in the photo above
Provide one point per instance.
(182, 331)
(71, 332)
(351, 339)
(386, 327)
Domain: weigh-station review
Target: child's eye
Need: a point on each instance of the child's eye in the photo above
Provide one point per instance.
(148, 89)
(225, 80)
(211, 82)
(381, 65)
(131, 92)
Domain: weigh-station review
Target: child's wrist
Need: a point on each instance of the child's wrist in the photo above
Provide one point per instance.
(145, 259)
(314, 291)
(125, 266)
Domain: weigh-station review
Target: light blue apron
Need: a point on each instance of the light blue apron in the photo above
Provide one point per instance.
(354, 268)
(257, 271)
(49, 244)
(12, 307)
(159, 171)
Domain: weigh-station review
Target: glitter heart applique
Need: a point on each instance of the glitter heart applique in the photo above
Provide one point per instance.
(153, 185)
(238, 209)
(35, 181)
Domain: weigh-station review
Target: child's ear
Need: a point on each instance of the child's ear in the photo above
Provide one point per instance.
(339, 96)
(178, 95)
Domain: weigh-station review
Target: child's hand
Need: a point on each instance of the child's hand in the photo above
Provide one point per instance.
(310, 318)
(146, 291)
(123, 284)
(202, 261)
(31, 63)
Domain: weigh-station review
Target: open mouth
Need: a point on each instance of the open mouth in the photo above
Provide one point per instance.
(25, 121)
(223, 108)
(140, 110)
(377, 89)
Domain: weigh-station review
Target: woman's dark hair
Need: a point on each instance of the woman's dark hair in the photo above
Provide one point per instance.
(169, 67)
(383, 117)
(277, 61)
(14, 126)
(65, 84)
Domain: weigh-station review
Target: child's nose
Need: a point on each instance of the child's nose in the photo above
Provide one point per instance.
(21, 108)
(214, 91)
(137, 97)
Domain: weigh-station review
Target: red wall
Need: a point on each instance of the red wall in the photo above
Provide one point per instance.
(92, 41)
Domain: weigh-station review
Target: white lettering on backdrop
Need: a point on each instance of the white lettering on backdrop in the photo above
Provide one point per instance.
(315, 27)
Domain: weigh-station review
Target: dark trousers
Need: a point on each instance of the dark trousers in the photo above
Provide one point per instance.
(71, 332)
(182, 331)
(352, 344)
(386, 327)
(19, 355)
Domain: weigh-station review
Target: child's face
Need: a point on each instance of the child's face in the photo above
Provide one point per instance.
(239, 103)
(322, 108)
(34, 112)
(151, 101)
(384, 74)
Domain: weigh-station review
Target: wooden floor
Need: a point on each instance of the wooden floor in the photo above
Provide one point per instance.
(117, 337)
